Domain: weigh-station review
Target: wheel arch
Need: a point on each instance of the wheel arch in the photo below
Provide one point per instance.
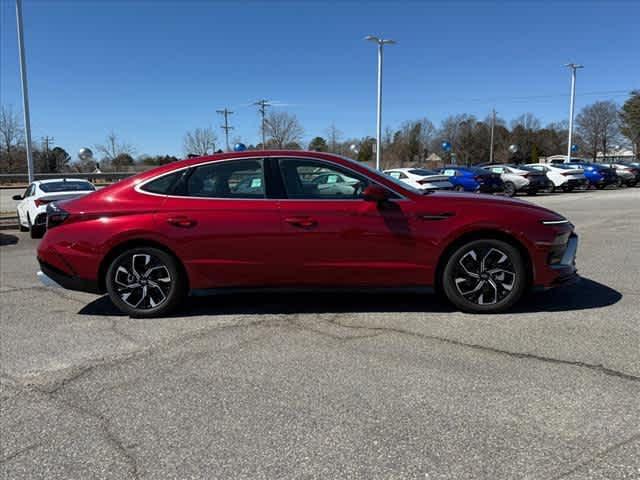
(129, 244)
(479, 234)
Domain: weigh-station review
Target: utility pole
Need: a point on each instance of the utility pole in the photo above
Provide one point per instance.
(45, 144)
(572, 102)
(25, 91)
(46, 140)
(493, 127)
(262, 108)
(226, 127)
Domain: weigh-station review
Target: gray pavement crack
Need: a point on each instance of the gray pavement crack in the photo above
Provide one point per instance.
(17, 453)
(521, 355)
(598, 456)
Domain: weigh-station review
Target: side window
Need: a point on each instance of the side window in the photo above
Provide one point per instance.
(227, 179)
(316, 179)
(395, 174)
(449, 172)
(163, 185)
(27, 192)
(497, 169)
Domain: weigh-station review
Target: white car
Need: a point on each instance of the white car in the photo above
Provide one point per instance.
(564, 177)
(421, 178)
(519, 178)
(32, 204)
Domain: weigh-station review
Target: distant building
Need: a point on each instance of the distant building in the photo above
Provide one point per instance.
(616, 155)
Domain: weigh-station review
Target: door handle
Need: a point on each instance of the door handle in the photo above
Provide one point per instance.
(304, 222)
(183, 222)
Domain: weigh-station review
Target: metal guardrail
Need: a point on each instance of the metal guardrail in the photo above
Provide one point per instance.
(23, 177)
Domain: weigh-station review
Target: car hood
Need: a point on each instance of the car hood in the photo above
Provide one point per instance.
(460, 202)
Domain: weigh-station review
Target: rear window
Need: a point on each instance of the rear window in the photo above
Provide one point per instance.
(422, 171)
(67, 186)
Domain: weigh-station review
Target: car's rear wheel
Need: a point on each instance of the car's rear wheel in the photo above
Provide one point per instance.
(619, 182)
(145, 282)
(600, 186)
(22, 227)
(509, 189)
(459, 188)
(484, 276)
(35, 231)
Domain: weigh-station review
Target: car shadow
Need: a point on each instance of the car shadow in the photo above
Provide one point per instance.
(582, 295)
(7, 239)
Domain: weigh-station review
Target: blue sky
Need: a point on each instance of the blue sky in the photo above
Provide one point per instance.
(151, 70)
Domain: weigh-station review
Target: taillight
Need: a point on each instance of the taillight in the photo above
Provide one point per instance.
(423, 182)
(39, 201)
(525, 175)
(55, 215)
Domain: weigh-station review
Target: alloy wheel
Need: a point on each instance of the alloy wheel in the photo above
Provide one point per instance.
(142, 281)
(484, 275)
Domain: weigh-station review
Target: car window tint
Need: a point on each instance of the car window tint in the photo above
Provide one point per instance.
(227, 179)
(67, 186)
(163, 185)
(316, 179)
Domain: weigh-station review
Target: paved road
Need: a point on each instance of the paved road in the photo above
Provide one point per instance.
(331, 386)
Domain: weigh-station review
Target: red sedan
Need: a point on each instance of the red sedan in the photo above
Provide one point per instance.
(293, 220)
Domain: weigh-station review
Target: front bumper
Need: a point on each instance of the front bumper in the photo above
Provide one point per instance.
(564, 272)
(53, 277)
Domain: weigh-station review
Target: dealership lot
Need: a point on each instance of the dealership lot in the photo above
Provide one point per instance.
(332, 386)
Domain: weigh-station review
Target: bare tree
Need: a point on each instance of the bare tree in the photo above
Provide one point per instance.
(283, 130)
(334, 138)
(200, 142)
(598, 126)
(11, 136)
(114, 148)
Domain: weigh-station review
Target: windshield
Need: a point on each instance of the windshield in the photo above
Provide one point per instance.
(67, 186)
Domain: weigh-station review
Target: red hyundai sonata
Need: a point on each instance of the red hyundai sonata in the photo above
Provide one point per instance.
(293, 220)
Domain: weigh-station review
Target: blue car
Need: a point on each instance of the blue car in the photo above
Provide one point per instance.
(473, 179)
(599, 176)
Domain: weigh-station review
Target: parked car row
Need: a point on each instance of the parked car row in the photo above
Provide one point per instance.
(510, 179)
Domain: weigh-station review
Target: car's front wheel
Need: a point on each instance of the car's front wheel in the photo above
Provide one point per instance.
(145, 282)
(484, 276)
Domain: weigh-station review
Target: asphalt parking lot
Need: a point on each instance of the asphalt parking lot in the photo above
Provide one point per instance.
(331, 386)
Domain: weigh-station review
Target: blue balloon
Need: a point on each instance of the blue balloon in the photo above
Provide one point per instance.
(446, 146)
(239, 147)
(574, 148)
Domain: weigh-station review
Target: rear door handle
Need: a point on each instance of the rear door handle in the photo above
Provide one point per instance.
(304, 222)
(183, 222)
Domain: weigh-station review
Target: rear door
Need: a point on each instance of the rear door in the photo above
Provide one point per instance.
(222, 225)
(334, 237)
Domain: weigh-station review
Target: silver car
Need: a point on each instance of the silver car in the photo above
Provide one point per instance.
(521, 178)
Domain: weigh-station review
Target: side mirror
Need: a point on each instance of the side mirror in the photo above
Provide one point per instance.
(17, 198)
(375, 193)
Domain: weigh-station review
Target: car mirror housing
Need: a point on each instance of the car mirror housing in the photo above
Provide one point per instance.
(375, 193)
(17, 198)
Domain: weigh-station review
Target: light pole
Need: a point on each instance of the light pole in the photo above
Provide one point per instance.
(25, 90)
(381, 42)
(572, 102)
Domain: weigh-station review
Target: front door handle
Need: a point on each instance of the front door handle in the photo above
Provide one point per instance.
(304, 222)
(183, 222)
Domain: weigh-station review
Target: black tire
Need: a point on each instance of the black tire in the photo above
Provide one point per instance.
(532, 192)
(159, 282)
(509, 189)
(35, 231)
(600, 186)
(465, 283)
(22, 227)
(619, 183)
(459, 188)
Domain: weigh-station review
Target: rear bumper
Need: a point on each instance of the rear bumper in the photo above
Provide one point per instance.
(51, 276)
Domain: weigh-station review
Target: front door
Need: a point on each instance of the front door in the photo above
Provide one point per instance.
(334, 237)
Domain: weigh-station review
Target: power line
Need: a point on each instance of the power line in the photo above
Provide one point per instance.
(263, 104)
(226, 127)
